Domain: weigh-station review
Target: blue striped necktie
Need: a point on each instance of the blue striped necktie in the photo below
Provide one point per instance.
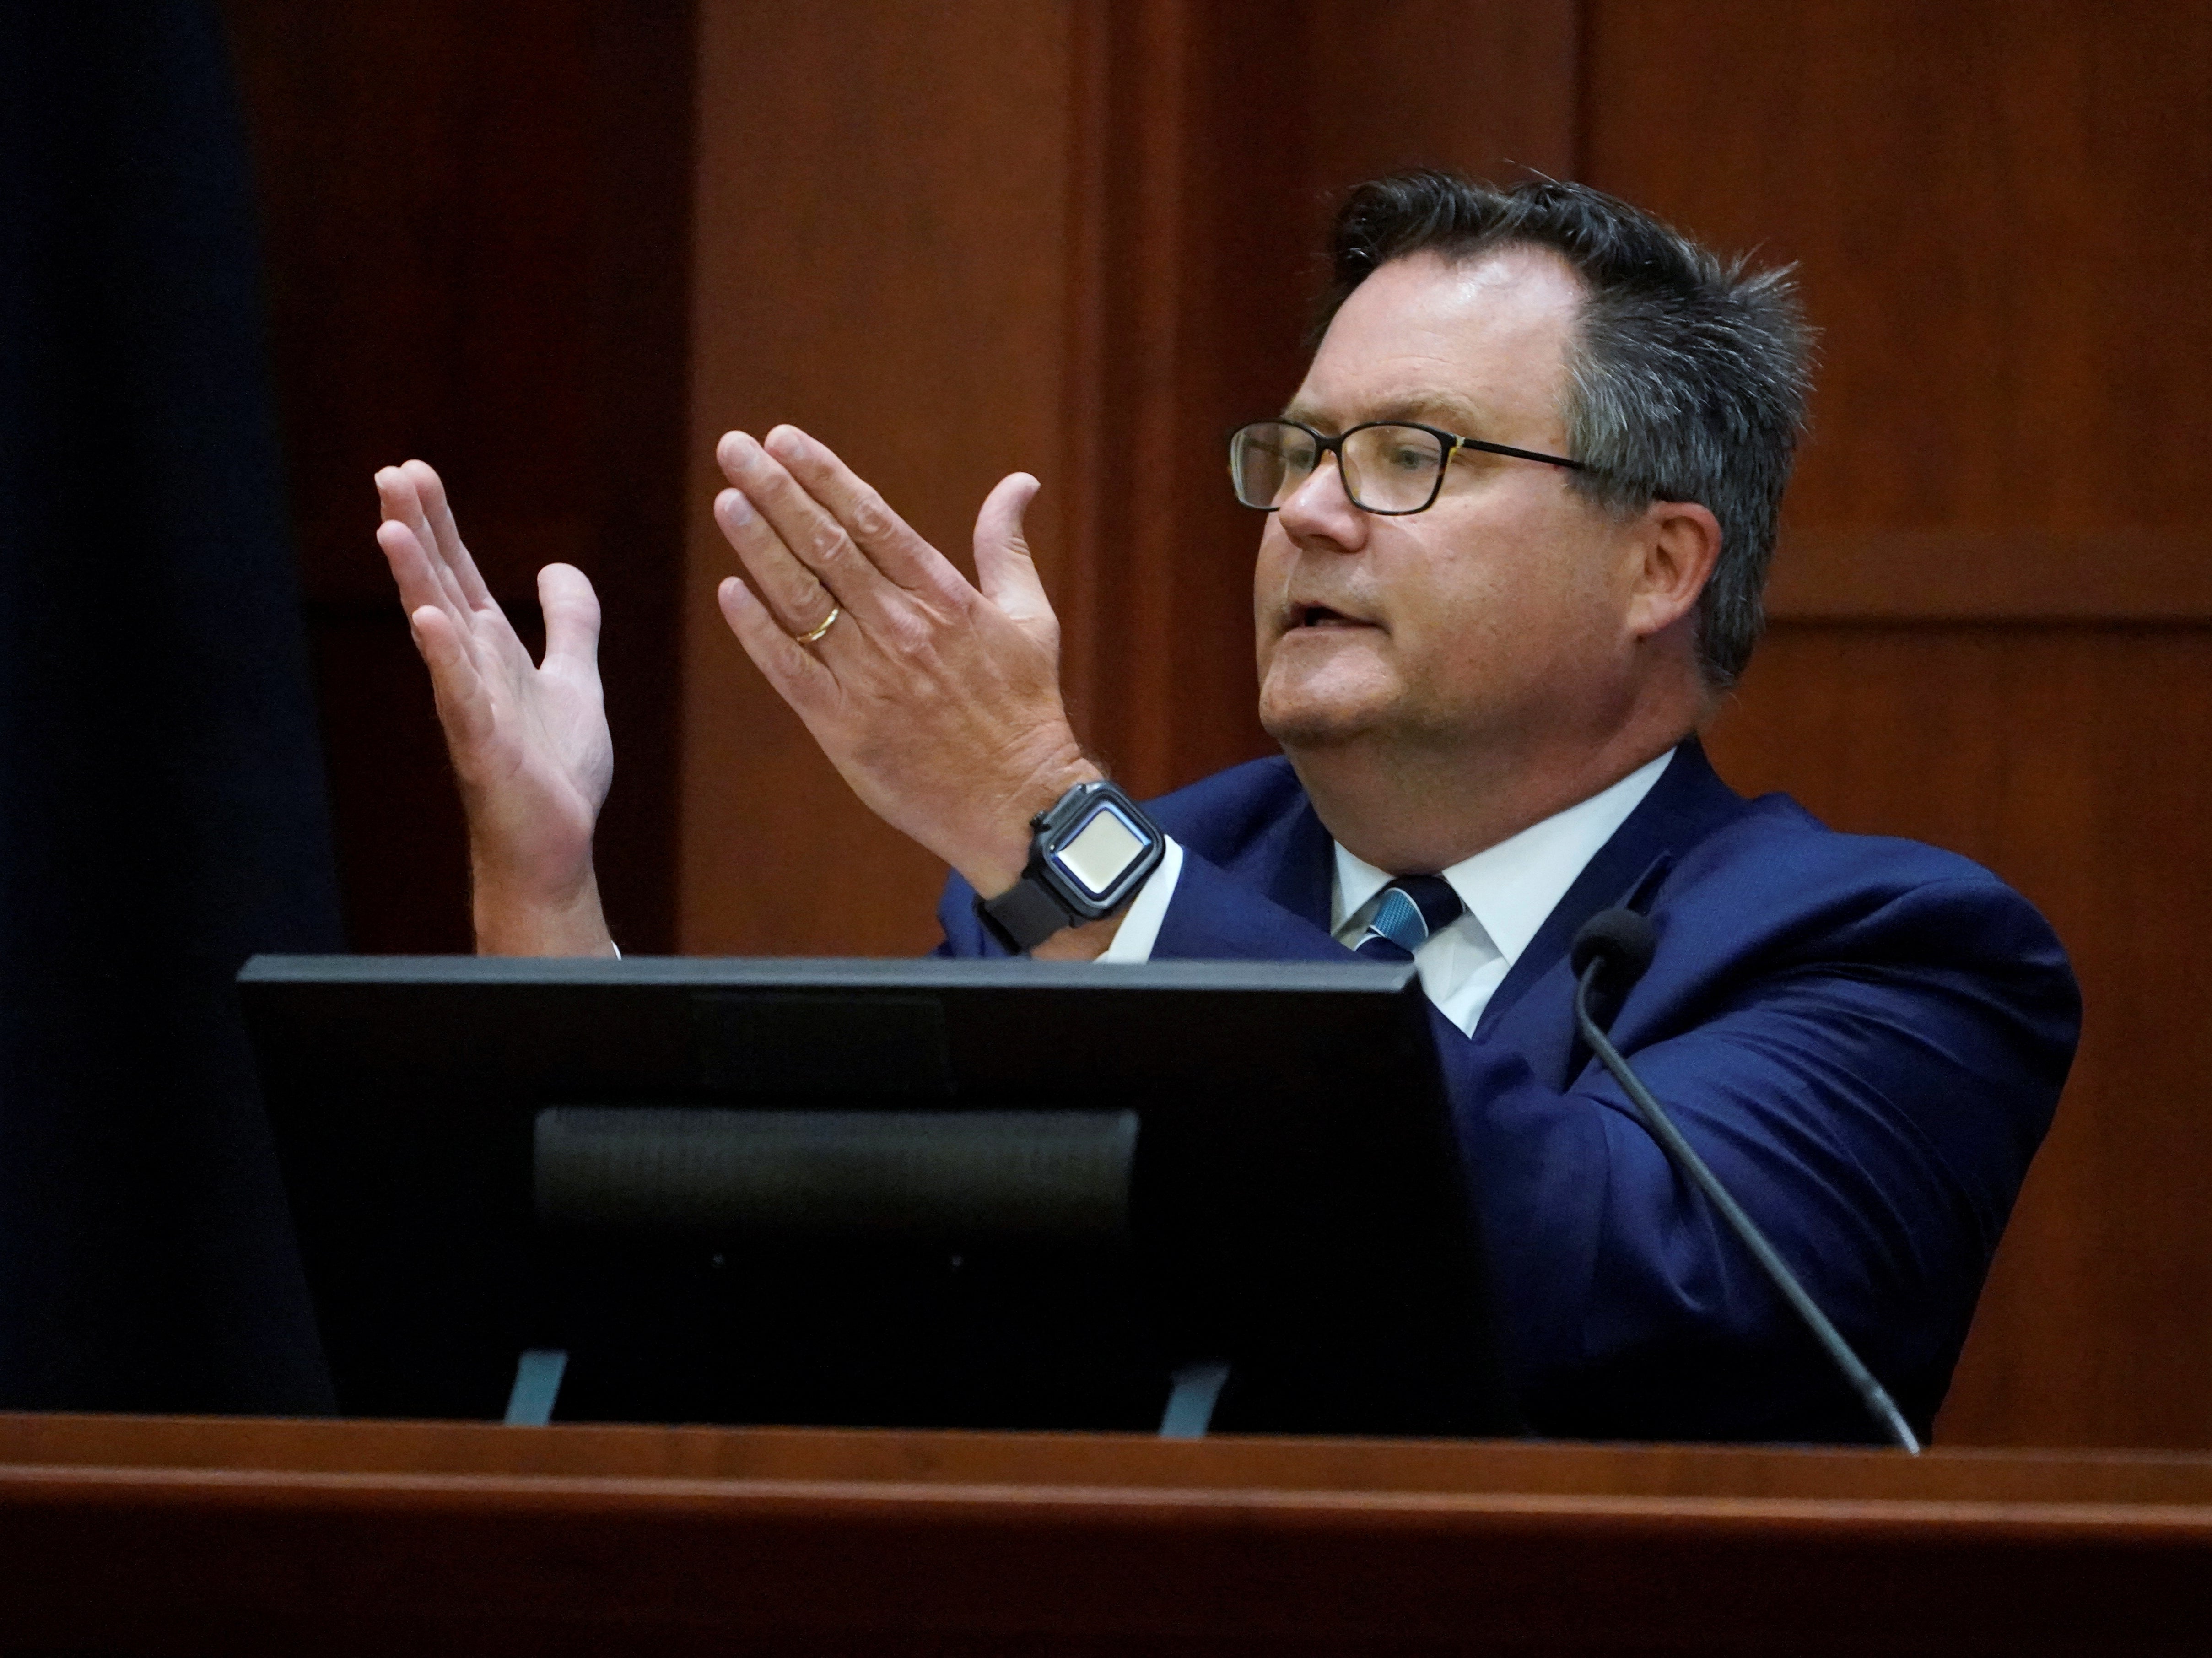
(1413, 907)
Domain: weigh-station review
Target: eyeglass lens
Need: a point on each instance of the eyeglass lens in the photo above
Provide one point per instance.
(1387, 469)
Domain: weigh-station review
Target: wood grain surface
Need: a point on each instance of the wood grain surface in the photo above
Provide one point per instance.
(203, 1536)
(476, 238)
(1995, 578)
(882, 196)
(2076, 762)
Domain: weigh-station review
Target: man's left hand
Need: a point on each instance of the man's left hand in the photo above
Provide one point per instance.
(937, 701)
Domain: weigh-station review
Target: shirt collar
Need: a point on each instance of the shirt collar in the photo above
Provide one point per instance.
(1509, 889)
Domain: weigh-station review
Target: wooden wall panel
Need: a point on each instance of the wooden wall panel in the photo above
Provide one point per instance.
(1982, 199)
(882, 208)
(1491, 89)
(1186, 322)
(477, 244)
(1985, 200)
(2020, 574)
(2075, 761)
(1080, 240)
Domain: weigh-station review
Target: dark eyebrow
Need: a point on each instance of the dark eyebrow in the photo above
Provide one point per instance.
(1445, 409)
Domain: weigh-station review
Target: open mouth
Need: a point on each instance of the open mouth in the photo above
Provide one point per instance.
(1319, 615)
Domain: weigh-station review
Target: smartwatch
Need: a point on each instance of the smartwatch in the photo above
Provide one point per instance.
(1087, 854)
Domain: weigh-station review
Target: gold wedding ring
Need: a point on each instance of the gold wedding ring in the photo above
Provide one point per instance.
(808, 639)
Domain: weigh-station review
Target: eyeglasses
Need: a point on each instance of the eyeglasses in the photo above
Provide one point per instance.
(1389, 467)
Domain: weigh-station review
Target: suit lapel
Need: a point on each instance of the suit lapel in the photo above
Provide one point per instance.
(1688, 802)
(1301, 877)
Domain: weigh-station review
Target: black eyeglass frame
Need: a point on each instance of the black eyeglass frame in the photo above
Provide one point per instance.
(1452, 442)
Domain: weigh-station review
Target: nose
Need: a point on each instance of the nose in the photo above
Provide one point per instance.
(1319, 511)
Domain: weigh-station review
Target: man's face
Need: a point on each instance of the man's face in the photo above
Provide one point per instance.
(1497, 615)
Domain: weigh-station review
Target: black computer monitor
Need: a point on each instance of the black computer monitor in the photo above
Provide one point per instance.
(959, 1193)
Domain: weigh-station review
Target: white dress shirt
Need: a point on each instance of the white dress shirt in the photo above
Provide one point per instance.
(1508, 888)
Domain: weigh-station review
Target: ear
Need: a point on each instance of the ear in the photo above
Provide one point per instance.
(1680, 543)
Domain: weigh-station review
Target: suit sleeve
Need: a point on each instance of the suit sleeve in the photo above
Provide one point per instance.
(1872, 1099)
(1211, 917)
(965, 935)
(1214, 917)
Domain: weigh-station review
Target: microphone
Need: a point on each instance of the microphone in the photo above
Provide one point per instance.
(1615, 945)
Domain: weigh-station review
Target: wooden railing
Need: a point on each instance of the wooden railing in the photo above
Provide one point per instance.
(128, 1535)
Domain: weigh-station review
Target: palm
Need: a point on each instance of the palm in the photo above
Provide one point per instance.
(543, 750)
(529, 741)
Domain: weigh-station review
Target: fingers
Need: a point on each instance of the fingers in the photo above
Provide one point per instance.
(432, 568)
(795, 671)
(412, 568)
(798, 598)
(411, 495)
(403, 506)
(811, 511)
(464, 701)
(572, 617)
(890, 542)
(1004, 569)
(430, 492)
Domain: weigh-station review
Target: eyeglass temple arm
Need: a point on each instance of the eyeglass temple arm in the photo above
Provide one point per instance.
(1518, 454)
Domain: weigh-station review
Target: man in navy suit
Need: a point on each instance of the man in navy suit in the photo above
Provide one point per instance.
(1518, 517)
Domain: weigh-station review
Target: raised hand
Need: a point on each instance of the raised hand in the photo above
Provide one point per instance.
(529, 742)
(937, 702)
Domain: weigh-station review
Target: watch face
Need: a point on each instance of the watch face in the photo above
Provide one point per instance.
(1096, 855)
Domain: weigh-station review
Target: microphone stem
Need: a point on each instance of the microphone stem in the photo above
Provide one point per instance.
(1875, 1397)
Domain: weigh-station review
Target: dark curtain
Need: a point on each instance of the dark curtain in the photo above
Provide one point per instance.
(161, 805)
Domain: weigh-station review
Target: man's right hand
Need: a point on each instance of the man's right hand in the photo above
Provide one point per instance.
(529, 743)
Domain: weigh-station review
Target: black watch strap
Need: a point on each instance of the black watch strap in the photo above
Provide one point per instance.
(1088, 855)
(1024, 915)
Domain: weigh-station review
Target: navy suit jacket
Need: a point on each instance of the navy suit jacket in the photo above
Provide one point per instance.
(1864, 1037)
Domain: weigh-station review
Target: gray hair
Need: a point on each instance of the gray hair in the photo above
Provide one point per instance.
(1686, 380)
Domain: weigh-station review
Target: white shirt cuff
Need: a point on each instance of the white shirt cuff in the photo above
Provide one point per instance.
(1141, 925)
